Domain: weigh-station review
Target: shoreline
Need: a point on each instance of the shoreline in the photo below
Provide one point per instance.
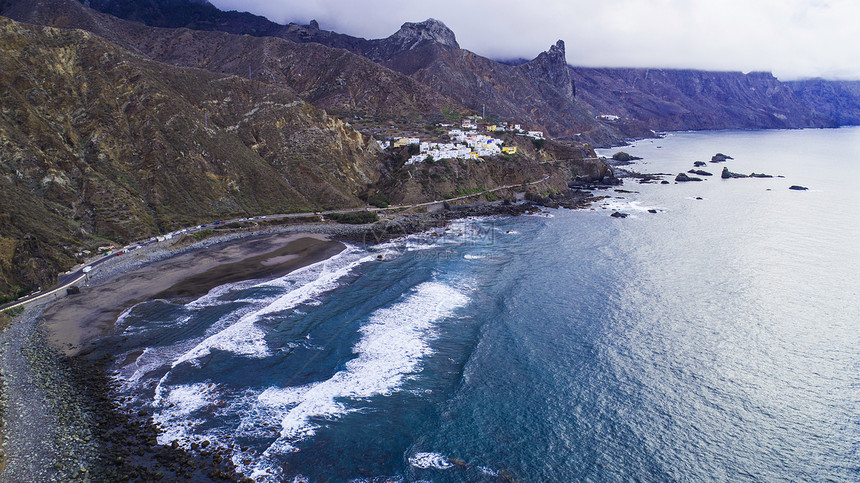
(76, 320)
(79, 413)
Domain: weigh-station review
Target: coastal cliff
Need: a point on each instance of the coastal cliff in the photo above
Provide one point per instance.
(637, 100)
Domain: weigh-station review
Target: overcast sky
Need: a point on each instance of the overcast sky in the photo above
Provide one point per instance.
(791, 38)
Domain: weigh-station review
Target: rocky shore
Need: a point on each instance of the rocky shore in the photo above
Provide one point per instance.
(61, 422)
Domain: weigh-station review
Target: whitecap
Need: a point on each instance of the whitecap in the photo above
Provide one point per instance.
(427, 461)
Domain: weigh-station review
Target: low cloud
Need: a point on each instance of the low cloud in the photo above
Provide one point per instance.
(791, 38)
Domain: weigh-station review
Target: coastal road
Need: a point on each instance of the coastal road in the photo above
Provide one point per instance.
(71, 278)
(429, 203)
(64, 281)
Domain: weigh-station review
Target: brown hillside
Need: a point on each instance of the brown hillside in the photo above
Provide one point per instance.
(95, 140)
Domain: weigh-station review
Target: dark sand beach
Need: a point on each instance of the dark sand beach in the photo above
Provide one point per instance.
(76, 320)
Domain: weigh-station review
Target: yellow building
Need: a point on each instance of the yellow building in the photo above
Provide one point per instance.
(509, 149)
(400, 142)
(492, 128)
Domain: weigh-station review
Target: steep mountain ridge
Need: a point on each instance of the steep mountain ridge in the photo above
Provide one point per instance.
(537, 92)
(357, 87)
(96, 141)
(426, 51)
(838, 101)
(674, 100)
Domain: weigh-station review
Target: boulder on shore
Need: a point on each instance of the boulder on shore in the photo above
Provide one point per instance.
(728, 174)
(720, 157)
(700, 172)
(797, 187)
(683, 177)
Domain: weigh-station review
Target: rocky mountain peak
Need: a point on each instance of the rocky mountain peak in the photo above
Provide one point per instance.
(554, 57)
(412, 33)
(551, 66)
(557, 50)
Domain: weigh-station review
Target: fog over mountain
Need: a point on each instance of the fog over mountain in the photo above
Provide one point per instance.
(791, 38)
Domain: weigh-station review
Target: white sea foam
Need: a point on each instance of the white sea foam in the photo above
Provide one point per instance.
(541, 214)
(181, 402)
(625, 205)
(390, 350)
(212, 298)
(246, 337)
(427, 461)
(149, 360)
(121, 320)
(188, 398)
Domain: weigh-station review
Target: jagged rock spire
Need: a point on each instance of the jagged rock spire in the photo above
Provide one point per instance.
(551, 67)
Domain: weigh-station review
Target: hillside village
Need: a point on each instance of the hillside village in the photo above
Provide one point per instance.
(468, 141)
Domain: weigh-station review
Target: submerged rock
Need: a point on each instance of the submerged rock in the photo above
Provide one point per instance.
(798, 187)
(618, 214)
(720, 157)
(699, 164)
(683, 177)
(728, 174)
(760, 175)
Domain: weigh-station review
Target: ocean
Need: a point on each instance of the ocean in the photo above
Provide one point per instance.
(714, 337)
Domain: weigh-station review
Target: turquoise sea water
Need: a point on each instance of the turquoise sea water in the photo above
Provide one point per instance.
(717, 339)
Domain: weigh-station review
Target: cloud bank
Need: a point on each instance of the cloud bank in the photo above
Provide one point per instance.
(791, 38)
